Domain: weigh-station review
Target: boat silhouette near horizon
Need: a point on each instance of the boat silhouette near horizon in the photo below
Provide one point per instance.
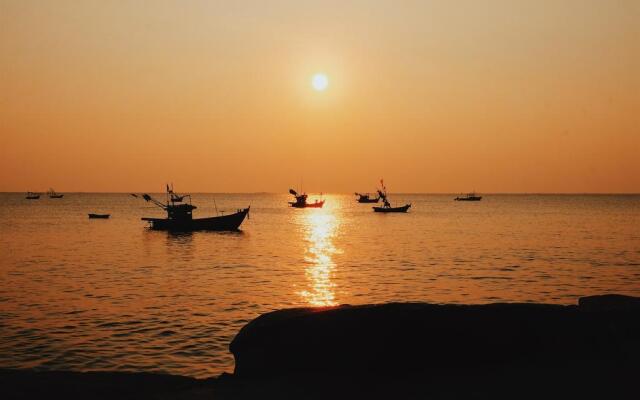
(386, 207)
(53, 195)
(180, 216)
(99, 216)
(301, 201)
(32, 196)
(469, 197)
(366, 198)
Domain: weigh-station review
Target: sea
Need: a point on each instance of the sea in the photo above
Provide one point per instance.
(85, 294)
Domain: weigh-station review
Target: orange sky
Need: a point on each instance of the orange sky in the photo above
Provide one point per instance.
(434, 96)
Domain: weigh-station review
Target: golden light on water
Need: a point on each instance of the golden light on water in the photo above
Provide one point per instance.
(322, 226)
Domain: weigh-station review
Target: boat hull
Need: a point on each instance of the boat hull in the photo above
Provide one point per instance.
(368, 200)
(229, 222)
(32, 197)
(402, 209)
(318, 204)
(99, 216)
(56, 196)
(478, 198)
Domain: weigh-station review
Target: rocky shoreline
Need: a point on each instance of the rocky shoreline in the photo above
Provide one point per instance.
(398, 350)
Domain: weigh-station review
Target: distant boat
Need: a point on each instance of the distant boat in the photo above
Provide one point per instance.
(53, 195)
(386, 208)
(180, 218)
(366, 198)
(301, 201)
(469, 197)
(390, 209)
(99, 216)
(32, 196)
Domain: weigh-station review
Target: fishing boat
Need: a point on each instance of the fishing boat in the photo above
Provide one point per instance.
(99, 216)
(32, 196)
(180, 216)
(469, 197)
(301, 201)
(386, 207)
(390, 209)
(366, 198)
(53, 195)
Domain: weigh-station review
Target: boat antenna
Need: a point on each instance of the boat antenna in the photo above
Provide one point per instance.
(216, 206)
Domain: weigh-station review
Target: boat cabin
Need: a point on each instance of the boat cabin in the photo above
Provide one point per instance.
(180, 211)
(301, 200)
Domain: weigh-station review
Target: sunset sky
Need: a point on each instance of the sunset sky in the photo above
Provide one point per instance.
(434, 96)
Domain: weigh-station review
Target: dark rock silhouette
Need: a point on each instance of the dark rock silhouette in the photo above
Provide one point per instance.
(609, 302)
(406, 338)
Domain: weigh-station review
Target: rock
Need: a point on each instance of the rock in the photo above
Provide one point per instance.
(417, 338)
(609, 302)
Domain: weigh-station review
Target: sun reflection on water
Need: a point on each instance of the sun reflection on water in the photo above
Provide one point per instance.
(321, 227)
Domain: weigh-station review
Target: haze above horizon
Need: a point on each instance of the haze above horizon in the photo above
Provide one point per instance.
(434, 97)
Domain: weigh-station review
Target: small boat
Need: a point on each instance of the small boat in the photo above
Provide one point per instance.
(469, 197)
(390, 209)
(180, 216)
(301, 201)
(53, 195)
(386, 208)
(32, 196)
(99, 216)
(365, 198)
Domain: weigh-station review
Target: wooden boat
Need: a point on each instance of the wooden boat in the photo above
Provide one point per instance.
(365, 198)
(229, 222)
(301, 201)
(180, 216)
(53, 195)
(386, 207)
(99, 216)
(32, 196)
(469, 197)
(390, 209)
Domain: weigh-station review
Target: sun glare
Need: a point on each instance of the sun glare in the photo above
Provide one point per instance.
(319, 82)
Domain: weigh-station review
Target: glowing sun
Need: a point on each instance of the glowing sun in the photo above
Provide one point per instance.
(320, 82)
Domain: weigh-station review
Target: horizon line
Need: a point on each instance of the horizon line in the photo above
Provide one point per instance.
(343, 193)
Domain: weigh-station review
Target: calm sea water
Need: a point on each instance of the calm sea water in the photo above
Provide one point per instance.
(80, 294)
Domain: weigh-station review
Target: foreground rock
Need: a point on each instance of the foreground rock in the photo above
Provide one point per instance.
(416, 338)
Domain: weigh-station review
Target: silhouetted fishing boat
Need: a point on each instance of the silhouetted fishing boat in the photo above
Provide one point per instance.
(180, 218)
(390, 209)
(53, 195)
(386, 208)
(301, 201)
(469, 197)
(32, 196)
(99, 216)
(366, 198)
